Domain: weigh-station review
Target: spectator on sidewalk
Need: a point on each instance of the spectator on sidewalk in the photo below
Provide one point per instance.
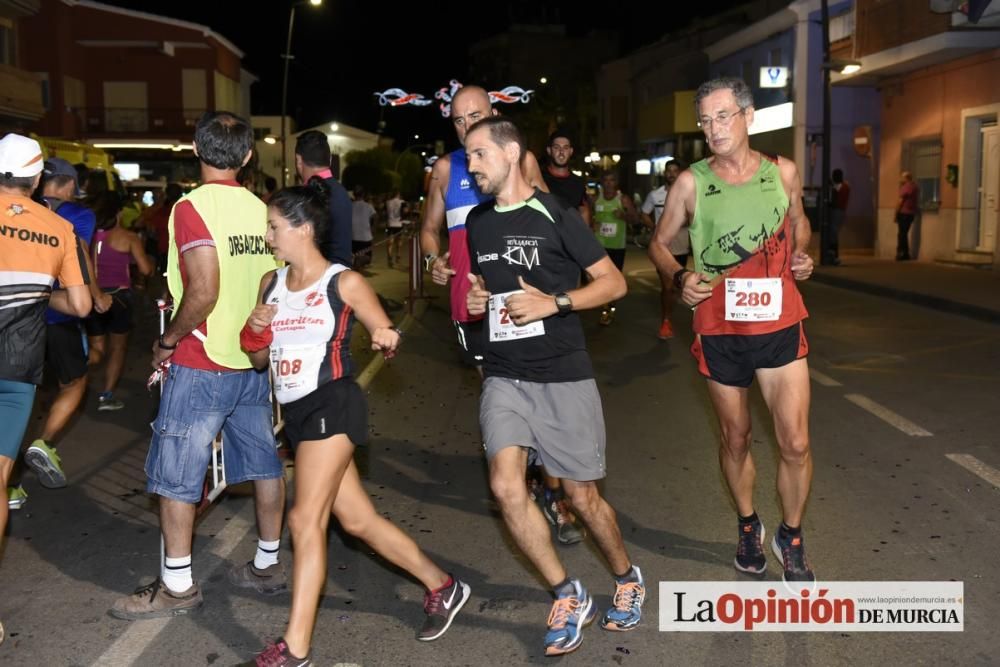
(394, 226)
(906, 211)
(841, 193)
(362, 219)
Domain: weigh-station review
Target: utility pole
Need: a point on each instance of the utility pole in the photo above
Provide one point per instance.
(822, 203)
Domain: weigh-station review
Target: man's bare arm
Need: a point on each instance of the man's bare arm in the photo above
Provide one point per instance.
(799, 223)
(430, 227)
(200, 295)
(802, 263)
(677, 211)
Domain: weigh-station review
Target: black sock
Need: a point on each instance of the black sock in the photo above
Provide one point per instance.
(564, 587)
(788, 531)
(748, 519)
(629, 575)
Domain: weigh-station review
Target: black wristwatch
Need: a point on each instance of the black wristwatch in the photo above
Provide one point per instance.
(679, 278)
(564, 304)
(164, 346)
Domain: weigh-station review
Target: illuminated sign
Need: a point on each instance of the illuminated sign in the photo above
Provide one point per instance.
(773, 77)
(773, 118)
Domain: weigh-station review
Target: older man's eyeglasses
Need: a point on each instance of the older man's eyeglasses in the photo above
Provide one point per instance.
(722, 119)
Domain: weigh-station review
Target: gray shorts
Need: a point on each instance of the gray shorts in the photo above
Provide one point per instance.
(561, 422)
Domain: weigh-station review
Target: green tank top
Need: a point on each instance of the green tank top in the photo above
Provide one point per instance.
(609, 227)
(731, 222)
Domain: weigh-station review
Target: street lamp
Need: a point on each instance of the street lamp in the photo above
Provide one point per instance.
(284, 86)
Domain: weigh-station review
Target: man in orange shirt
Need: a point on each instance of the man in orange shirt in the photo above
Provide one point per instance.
(37, 247)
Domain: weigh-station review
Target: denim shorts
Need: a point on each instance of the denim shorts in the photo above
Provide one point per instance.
(194, 407)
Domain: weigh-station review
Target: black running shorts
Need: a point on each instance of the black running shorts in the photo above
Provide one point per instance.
(337, 407)
(64, 351)
(732, 360)
(117, 319)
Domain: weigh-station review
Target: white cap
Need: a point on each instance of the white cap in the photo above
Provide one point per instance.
(20, 156)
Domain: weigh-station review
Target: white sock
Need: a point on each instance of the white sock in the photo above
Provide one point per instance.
(177, 573)
(267, 554)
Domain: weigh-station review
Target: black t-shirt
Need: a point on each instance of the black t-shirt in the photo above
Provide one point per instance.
(336, 246)
(571, 190)
(546, 245)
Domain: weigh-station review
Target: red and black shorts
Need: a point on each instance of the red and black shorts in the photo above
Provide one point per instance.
(732, 359)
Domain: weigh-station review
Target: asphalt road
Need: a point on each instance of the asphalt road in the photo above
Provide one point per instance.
(904, 430)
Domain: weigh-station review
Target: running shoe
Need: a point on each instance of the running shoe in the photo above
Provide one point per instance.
(42, 458)
(107, 402)
(626, 610)
(562, 519)
(441, 608)
(569, 615)
(16, 497)
(277, 655)
(792, 552)
(750, 549)
(666, 330)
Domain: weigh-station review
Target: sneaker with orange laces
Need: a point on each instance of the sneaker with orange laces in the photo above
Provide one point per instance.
(570, 613)
(750, 548)
(626, 609)
(666, 330)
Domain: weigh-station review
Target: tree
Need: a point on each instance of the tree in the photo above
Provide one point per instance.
(371, 169)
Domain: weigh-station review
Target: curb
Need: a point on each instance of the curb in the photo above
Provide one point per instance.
(366, 376)
(937, 303)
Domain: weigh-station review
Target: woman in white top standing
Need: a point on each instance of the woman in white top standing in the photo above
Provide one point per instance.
(302, 326)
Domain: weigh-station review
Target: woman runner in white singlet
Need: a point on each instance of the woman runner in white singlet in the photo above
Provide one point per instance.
(302, 326)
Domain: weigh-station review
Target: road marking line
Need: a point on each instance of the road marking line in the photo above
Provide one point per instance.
(887, 415)
(977, 467)
(648, 283)
(823, 379)
(129, 647)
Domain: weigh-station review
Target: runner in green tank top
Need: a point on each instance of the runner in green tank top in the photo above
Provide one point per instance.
(749, 236)
(613, 212)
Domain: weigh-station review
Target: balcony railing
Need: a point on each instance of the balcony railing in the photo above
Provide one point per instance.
(131, 121)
